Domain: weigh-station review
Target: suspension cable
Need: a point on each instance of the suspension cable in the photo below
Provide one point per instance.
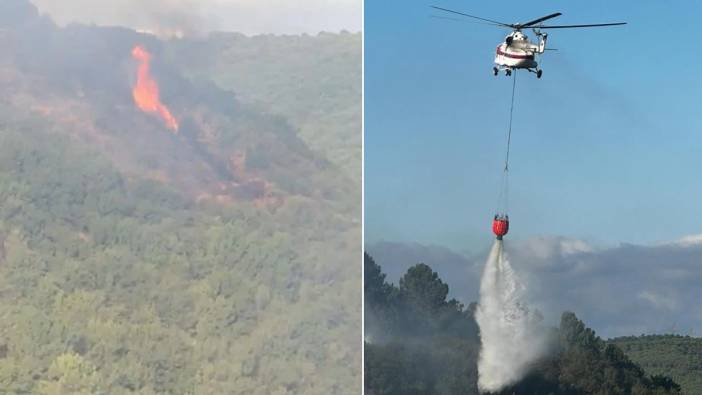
(503, 198)
(511, 112)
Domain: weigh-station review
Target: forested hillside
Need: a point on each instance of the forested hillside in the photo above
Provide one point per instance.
(220, 258)
(419, 343)
(314, 81)
(679, 357)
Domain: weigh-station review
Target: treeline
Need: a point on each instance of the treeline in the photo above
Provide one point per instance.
(417, 342)
(420, 343)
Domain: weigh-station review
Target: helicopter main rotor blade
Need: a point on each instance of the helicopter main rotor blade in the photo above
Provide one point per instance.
(464, 20)
(539, 20)
(574, 26)
(472, 16)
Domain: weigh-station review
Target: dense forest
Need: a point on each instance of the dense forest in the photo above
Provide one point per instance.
(676, 356)
(417, 342)
(221, 259)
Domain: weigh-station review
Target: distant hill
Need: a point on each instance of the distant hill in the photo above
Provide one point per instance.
(679, 357)
(314, 81)
(221, 259)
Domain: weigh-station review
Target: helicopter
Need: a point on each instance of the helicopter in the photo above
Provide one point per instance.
(517, 51)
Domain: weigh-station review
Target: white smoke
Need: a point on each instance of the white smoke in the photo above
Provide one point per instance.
(175, 17)
(510, 339)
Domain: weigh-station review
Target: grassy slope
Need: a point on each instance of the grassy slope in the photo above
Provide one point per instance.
(679, 357)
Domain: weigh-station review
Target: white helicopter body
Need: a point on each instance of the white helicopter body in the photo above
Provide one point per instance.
(517, 52)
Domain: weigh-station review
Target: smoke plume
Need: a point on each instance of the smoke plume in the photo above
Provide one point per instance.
(509, 337)
(171, 18)
(162, 17)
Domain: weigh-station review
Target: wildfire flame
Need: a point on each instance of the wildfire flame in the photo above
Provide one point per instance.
(145, 92)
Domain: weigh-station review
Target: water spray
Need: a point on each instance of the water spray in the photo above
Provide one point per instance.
(509, 334)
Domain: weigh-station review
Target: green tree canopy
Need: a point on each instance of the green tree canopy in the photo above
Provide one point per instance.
(422, 288)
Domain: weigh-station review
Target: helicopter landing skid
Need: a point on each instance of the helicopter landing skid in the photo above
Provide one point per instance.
(508, 71)
(496, 70)
(536, 71)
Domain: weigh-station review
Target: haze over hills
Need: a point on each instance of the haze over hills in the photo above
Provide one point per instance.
(220, 257)
(397, 257)
(169, 17)
(649, 289)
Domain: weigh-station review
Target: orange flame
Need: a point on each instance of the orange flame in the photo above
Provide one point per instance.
(145, 92)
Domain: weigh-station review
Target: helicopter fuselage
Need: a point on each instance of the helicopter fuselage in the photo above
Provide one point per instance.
(506, 56)
(517, 52)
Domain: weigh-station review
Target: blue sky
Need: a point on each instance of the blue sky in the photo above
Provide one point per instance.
(605, 146)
